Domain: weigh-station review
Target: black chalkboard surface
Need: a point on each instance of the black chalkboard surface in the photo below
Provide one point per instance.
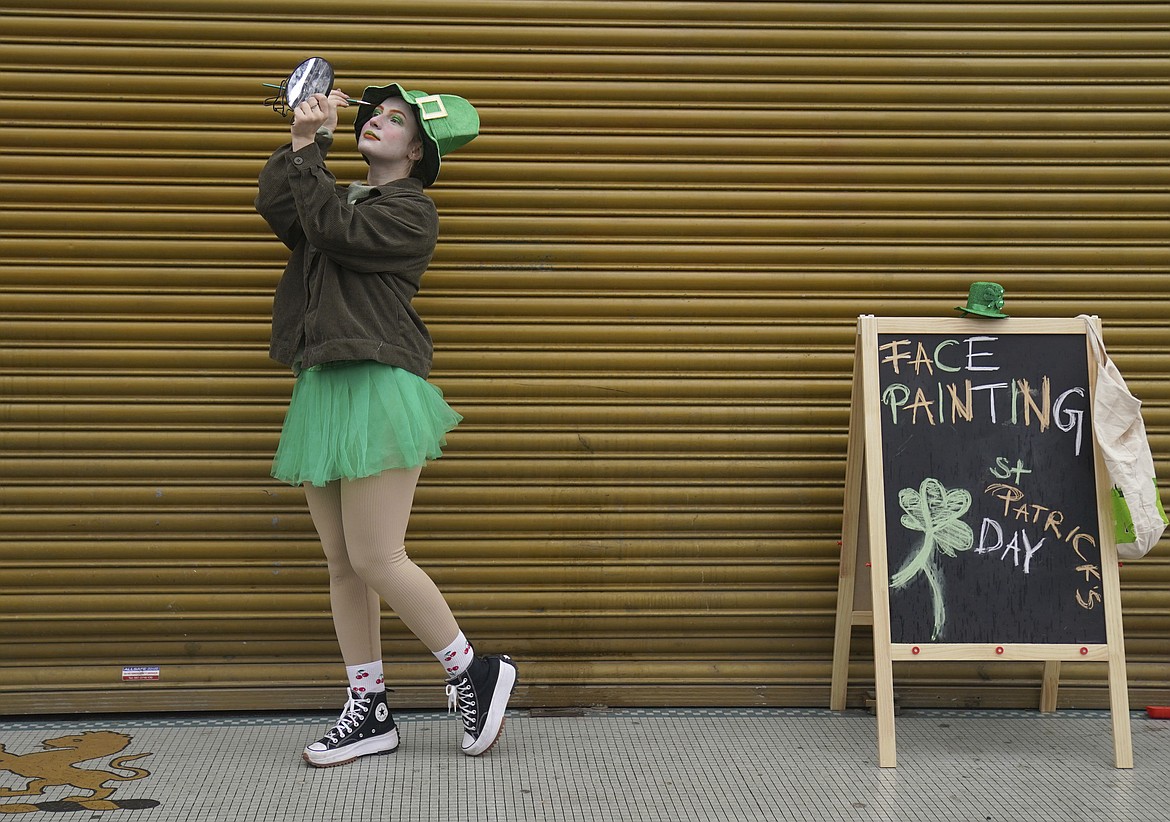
(991, 508)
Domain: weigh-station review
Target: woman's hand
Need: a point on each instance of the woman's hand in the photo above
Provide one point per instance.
(313, 113)
(339, 99)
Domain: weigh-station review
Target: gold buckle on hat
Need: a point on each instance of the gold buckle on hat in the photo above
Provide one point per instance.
(431, 115)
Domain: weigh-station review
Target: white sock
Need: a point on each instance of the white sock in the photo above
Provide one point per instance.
(456, 657)
(366, 678)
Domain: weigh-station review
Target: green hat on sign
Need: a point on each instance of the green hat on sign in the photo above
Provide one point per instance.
(447, 121)
(984, 300)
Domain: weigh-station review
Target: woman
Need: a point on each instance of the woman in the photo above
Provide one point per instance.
(363, 419)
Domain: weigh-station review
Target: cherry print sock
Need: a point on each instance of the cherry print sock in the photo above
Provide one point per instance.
(456, 657)
(367, 678)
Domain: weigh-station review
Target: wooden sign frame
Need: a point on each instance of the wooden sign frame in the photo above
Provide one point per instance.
(863, 596)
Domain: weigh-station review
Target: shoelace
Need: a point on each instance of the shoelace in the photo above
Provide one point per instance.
(461, 699)
(352, 716)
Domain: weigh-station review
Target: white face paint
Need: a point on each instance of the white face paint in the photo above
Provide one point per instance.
(390, 137)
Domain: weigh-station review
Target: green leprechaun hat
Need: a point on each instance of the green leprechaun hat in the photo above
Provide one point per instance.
(448, 122)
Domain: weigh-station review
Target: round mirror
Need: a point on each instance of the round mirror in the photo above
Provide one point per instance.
(313, 76)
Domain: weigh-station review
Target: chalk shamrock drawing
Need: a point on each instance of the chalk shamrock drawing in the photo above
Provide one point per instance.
(934, 511)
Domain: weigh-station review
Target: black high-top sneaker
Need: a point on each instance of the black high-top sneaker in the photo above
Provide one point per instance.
(480, 696)
(364, 727)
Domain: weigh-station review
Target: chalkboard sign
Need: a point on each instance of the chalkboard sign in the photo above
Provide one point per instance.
(972, 488)
(989, 488)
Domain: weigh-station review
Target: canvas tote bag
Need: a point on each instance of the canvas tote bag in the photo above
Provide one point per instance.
(1138, 516)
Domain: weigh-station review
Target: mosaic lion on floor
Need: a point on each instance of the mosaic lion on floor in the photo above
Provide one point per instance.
(57, 765)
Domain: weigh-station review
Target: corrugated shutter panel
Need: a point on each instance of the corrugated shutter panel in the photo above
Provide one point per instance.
(644, 303)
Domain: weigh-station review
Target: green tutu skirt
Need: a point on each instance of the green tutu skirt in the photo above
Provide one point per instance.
(356, 419)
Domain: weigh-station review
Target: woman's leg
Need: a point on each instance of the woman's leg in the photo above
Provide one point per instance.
(375, 511)
(365, 725)
(355, 606)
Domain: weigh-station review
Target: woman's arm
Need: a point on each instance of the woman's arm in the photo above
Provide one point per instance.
(312, 125)
(274, 199)
(363, 237)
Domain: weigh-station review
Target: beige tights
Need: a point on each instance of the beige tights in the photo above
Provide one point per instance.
(362, 525)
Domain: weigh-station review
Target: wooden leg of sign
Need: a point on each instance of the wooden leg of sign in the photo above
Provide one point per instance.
(869, 484)
(1111, 583)
(840, 682)
(1119, 705)
(850, 529)
(1049, 685)
(1118, 681)
(884, 687)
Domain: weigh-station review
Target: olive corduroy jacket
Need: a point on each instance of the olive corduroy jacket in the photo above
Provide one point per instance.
(354, 269)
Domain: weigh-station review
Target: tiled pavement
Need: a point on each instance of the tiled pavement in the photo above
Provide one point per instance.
(667, 764)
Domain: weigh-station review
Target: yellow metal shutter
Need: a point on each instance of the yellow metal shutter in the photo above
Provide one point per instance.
(643, 301)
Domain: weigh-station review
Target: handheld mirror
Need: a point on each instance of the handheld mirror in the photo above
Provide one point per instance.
(313, 76)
